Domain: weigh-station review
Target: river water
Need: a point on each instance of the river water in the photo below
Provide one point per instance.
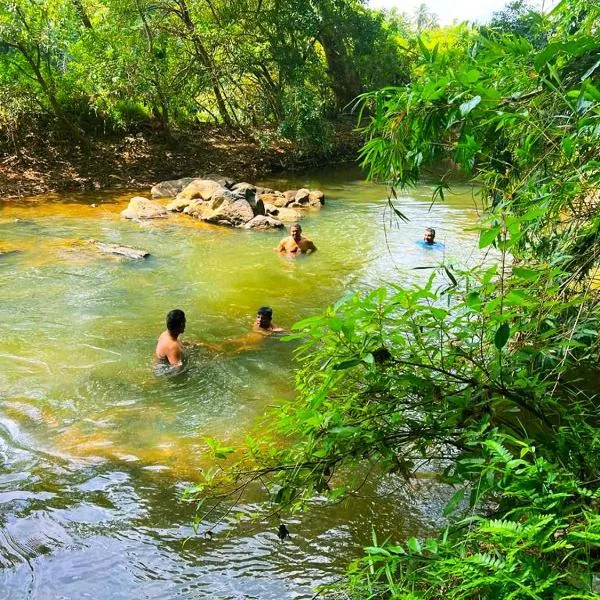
(95, 449)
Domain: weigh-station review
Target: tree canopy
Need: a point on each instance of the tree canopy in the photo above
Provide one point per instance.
(484, 376)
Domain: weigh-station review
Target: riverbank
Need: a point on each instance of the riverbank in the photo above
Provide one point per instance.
(40, 164)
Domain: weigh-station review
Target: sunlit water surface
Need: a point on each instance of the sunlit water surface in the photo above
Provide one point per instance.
(95, 449)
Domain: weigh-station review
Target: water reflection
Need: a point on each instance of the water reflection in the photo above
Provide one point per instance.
(94, 446)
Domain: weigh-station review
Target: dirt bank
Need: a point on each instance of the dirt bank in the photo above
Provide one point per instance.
(47, 163)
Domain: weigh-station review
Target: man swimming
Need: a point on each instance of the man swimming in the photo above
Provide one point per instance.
(264, 322)
(169, 349)
(429, 236)
(296, 243)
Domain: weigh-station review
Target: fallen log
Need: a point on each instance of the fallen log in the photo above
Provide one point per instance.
(126, 251)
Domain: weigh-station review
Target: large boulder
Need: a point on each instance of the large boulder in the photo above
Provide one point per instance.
(234, 213)
(170, 189)
(202, 189)
(179, 204)
(142, 208)
(287, 215)
(302, 196)
(247, 191)
(222, 180)
(276, 198)
(316, 198)
(290, 196)
(263, 222)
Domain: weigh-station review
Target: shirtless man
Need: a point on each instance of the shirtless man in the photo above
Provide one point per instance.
(295, 244)
(264, 322)
(169, 349)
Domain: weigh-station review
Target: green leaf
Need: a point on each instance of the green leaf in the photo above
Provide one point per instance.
(466, 107)
(502, 335)
(488, 236)
(456, 499)
(524, 273)
(347, 364)
(414, 545)
(451, 276)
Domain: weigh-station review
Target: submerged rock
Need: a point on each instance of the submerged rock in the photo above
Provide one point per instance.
(316, 198)
(119, 250)
(263, 222)
(287, 215)
(142, 208)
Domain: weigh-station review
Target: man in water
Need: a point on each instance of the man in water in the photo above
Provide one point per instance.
(428, 240)
(169, 349)
(296, 243)
(262, 328)
(429, 236)
(264, 322)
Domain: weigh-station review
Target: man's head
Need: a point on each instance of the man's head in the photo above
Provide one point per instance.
(296, 231)
(429, 235)
(263, 316)
(176, 321)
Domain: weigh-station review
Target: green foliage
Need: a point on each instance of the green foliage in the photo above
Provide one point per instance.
(115, 65)
(540, 547)
(491, 371)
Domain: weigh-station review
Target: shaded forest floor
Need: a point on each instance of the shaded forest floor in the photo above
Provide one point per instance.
(38, 163)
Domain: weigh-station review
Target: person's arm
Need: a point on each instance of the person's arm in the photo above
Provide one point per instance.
(311, 247)
(281, 247)
(195, 344)
(174, 355)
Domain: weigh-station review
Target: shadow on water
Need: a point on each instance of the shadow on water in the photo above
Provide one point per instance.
(95, 446)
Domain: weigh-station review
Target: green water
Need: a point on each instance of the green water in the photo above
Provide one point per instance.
(95, 448)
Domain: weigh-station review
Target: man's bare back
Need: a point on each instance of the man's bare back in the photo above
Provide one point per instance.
(169, 349)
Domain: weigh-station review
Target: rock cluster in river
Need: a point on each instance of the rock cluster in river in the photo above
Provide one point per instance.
(222, 201)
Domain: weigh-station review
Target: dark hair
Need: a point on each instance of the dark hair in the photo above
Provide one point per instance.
(265, 311)
(296, 224)
(175, 320)
(430, 229)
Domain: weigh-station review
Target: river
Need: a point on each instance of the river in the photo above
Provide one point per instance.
(95, 449)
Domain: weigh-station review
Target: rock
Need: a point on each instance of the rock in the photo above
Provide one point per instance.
(4, 253)
(126, 251)
(204, 189)
(258, 207)
(263, 190)
(290, 196)
(142, 208)
(233, 213)
(170, 189)
(316, 198)
(247, 191)
(287, 215)
(243, 186)
(263, 222)
(277, 199)
(178, 205)
(222, 180)
(302, 196)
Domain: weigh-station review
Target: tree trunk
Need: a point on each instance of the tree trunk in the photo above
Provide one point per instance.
(80, 8)
(204, 60)
(345, 81)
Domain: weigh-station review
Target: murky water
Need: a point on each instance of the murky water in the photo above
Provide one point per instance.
(95, 448)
